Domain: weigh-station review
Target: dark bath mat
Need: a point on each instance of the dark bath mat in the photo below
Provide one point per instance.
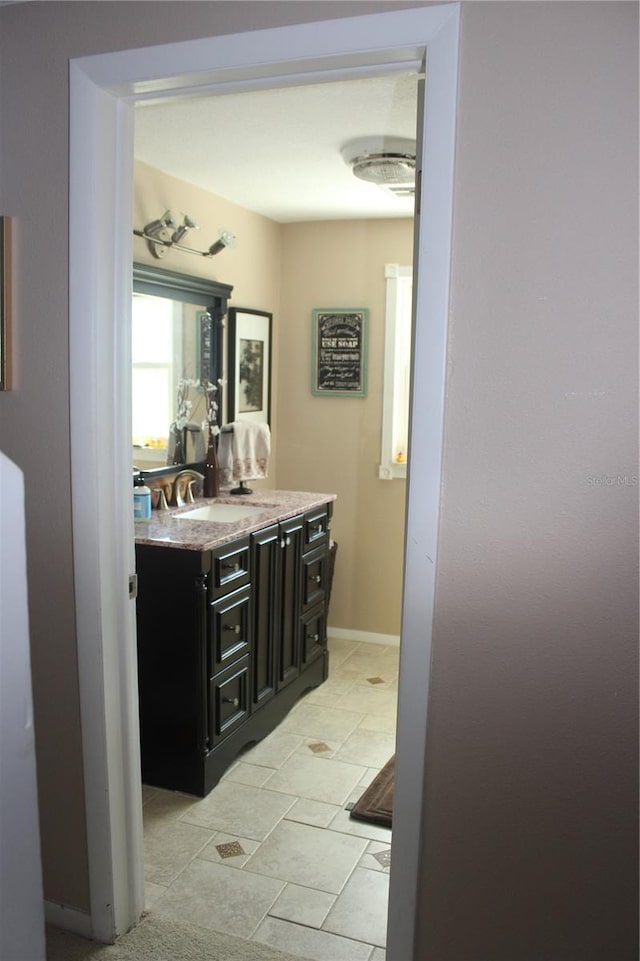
(376, 804)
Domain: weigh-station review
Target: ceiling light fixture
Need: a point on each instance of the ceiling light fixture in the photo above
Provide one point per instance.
(165, 233)
(387, 162)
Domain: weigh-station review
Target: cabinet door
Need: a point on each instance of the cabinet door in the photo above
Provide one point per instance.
(313, 634)
(314, 577)
(229, 629)
(229, 700)
(291, 539)
(265, 562)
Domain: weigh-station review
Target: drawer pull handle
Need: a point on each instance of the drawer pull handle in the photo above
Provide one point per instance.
(313, 637)
(316, 578)
(230, 568)
(232, 700)
(285, 542)
(317, 530)
(232, 627)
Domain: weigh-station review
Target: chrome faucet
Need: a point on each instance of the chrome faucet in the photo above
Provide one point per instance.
(183, 484)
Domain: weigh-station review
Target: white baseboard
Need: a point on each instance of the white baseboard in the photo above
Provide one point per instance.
(67, 919)
(343, 634)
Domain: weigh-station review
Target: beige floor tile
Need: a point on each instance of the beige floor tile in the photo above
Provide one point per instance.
(310, 944)
(371, 748)
(228, 849)
(303, 905)
(360, 911)
(307, 855)
(274, 750)
(366, 780)
(371, 648)
(328, 693)
(312, 721)
(152, 892)
(339, 649)
(168, 852)
(164, 806)
(362, 700)
(360, 829)
(241, 810)
(219, 897)
(148, 792)
(316, 778)
(248, 774)
(374, 722)
(379, 954)
(317, 813)
(370, 664)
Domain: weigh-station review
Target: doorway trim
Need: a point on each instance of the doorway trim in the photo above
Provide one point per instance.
(103, 89)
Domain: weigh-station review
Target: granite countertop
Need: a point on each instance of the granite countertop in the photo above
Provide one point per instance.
(166, 529)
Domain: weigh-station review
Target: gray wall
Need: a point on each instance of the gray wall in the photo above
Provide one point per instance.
(530, 824)
(530, 818)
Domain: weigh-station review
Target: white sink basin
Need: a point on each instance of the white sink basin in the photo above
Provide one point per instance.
(221, 513)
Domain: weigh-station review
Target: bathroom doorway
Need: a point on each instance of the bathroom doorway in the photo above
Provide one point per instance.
(101, 136)
(316, 236)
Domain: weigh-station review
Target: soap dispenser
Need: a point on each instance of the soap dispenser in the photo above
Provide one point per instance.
(141, 500)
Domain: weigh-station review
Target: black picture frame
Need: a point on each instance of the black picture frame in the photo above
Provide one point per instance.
(249, 365)
(339, 352)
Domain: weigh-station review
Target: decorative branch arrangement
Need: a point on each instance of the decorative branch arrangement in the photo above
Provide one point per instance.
(183, 413)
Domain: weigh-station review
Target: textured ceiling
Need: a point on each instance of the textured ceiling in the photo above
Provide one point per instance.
(277, 152)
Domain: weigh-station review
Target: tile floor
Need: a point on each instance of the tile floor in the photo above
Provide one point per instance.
(271, 853)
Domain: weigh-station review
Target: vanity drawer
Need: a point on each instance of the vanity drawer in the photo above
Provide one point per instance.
(229, 700)
(313, 634)
(230, 567)
(316, 528)
(314, 577)
(229, 628)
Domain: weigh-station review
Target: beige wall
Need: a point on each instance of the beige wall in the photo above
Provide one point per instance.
(530, 824)
(333, 443)
(253, 268)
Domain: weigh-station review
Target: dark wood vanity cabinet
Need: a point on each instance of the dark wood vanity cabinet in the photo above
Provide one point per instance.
(228, 639)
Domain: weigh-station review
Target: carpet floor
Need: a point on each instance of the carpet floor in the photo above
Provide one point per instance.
(157, 940)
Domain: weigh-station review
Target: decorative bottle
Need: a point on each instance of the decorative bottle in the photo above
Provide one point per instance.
(178, 448)
(211, 487)
(141, 500)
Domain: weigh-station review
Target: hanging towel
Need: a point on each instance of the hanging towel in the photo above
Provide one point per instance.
(244, 453)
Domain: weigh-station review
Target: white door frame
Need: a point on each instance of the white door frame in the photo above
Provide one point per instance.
(103, 91)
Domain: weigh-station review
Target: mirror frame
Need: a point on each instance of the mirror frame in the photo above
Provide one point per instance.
(212, 295)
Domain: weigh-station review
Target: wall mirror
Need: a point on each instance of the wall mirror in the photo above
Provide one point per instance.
(177, 324)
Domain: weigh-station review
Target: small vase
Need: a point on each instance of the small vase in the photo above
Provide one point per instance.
(211, 486)
(178, 446)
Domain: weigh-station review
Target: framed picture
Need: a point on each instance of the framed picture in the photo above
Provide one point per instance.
(5, 303)
(339, 352)
(249, 371)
